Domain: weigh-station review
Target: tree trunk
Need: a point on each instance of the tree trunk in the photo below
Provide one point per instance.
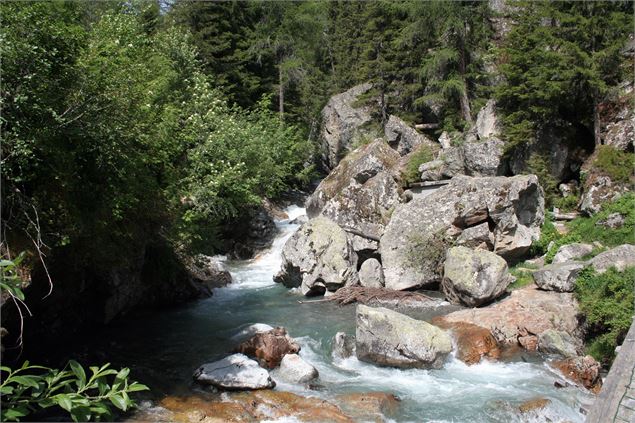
(465, 105)
(280, 93)
(464, 99)
(596, 121)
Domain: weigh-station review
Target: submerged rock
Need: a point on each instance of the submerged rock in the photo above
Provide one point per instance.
(389, 338)
(369, 406)
(414, 242)
(295, 370)
(474, 277)
(318, 257)
(236, 371)
(534, 405)
(269, 347)
(559, 277)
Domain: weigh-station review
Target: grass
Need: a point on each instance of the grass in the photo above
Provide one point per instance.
(523, 274)
(618, 165)
(422, 155)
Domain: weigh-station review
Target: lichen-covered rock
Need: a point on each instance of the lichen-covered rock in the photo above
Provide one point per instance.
(402, 137)
(371, 275)
(388, 338)
(473, 158)
(432, 171)
(478, 236)
(295, 370)
(269, 347)
(342, 124)
(318, 257)
(487, 124)
(556, 342)
(474, 277)
(342, 345)
(599, 190)
(613, 221)
(236, 371)
(524, 315)
(414, 242)
(362, 191)
(619, 257)
(571, 252)
(582, 370)
(558, 277)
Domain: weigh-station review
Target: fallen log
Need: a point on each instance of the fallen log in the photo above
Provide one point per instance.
(424, 126)
(360, 233)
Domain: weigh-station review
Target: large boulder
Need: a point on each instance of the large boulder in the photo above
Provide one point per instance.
(414, 242)
(295, 370)
(487, 122)
(371, 275)
(402, 137)
(523, 316)
(318, 257)
(236, 371)
(269, 347)
(473, 158)
(388, 338)
(619, 257)
(344, 123)
(474, 277)
(599, 190)
(361, 191)
(571, 252)
(559, 277)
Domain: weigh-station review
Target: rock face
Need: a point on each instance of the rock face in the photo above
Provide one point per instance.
(619, 257)
(209, 271)
(414, 242)
(269, 347)
(252, 232)
(474, 277)
(319, 256)
(294, 369)
(582, 370)
(473, 158)
(487, 124)
(618, 118)
(371, 274)
(342, 124)
(573, 251)
(342, 346)
(522, 317)
(472, 342)
(361, 191)
(389, 338)
(556, 342)
(402, 137)
(558, 277)
(234, 372)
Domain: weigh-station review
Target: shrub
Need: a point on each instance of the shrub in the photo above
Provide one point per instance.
(32, 389)
(607, 302)
(422, 155)
(618, 165)
(538, 165)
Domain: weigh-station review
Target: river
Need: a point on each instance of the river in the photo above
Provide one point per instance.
(164, 348)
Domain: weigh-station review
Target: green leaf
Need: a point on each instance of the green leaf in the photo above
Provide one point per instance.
(64, 401)
(6, 390)
(81, 414)
(78, 370)
(30, 381)
(14, 413)
(136, 386)
(118, 402)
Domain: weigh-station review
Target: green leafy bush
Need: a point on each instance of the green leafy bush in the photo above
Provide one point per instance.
(422, 155)
(607, 301)
(538, 165)
(32, 389)
(616, 164)
(548, 233)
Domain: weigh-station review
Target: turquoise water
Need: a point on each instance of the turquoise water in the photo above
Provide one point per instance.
(163, 349)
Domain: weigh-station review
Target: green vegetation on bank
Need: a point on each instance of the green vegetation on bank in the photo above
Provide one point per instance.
(608, 304)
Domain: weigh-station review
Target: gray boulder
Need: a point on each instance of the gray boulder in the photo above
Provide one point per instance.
(473, 158)
(388, 338)
(487, 124)
(619, 257)
(613, 221)
(235, 372)
(445, 140)
(474, 277)
(342, 345)
(371, 275)
(318, 257)
(558, 342)
(402, 137)
(558, 277)
(432, 171)
(343, 123)
(414, 242)
(571, 252)
(295, 370)
(598, 190)
(361, 191)
(478, 236)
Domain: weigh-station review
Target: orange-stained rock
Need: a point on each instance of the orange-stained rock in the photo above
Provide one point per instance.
(473, 342)
(253, 406)
(534, 404)
(528, 342)
(269, 347)
(582, 370)
(368, 406)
